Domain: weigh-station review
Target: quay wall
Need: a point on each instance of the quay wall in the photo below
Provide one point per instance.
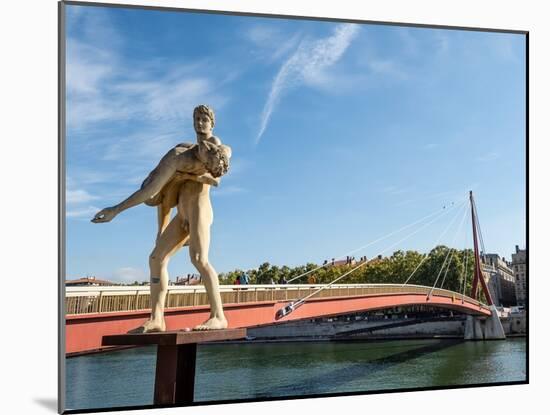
(515, 325)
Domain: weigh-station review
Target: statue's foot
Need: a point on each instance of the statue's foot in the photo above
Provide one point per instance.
(213, 323)
(150, 326)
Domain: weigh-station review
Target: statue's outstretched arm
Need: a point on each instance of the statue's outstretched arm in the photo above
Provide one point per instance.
(150, 187)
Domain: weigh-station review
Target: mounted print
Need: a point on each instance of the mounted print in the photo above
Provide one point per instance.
(260, 207)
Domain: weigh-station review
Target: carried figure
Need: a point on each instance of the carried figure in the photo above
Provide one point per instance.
(182, 179)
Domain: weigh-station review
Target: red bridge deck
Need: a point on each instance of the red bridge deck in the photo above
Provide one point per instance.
(84, 332)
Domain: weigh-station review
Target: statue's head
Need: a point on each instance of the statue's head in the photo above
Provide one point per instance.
(215, 157)
(203, 119)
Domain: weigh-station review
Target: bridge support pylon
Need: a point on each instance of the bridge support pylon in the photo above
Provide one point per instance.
(484, 328)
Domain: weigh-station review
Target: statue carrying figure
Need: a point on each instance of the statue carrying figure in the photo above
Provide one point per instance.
(182, 179)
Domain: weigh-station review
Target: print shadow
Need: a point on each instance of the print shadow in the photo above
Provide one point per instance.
(48, 403)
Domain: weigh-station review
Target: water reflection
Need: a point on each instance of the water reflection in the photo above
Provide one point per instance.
(252, 370)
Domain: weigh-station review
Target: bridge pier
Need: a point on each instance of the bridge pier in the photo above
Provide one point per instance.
(484, 328)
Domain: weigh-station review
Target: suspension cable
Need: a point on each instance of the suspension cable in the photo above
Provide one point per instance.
(464, 271)
(295, 304)
(450, 259)
(372, 243)
(478, 227)
(464, 274)
(448, 253)
(446, 270)
(426, 255)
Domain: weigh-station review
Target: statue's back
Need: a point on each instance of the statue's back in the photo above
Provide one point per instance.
(168, 194)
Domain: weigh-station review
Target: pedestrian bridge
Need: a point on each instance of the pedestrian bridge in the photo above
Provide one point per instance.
(92, 312)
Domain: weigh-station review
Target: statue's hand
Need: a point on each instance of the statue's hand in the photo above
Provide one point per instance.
(180, 176)
(207, 178)
(105, 215)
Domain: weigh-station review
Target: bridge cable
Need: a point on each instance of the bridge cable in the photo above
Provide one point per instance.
(448, 253)
(295, 304)
(447, 257)
(450, 248)
(465, 270)
(478, 227)
(446, 270)
(427, 254)
(438, 211)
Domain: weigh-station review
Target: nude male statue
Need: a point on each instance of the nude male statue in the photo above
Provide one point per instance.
(182, 178)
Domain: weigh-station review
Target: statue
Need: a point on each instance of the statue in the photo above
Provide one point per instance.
(182, 179)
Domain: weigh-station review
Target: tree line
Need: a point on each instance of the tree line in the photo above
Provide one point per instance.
(394, 269)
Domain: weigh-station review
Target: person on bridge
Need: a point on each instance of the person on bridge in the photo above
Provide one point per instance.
(244, 278)
(182, 178)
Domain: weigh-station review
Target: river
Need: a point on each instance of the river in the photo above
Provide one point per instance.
(261, 370)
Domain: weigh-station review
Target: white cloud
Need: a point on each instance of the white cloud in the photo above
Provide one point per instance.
(307, 65)
(148, 145)
(76, 203)
(104, 86)
(271, 43)
(82, 212)
(262, 34)
(86, 177)
(87, 67)
(78, 196)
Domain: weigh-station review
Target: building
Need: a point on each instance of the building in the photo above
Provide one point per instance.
(519, 266)
(190, 279)
(88, 281)
(500, 279)
(350, 260)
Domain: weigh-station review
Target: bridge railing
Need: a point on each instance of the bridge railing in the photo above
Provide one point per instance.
(89, 300)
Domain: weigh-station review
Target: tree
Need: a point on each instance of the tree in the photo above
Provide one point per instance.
(450, 264)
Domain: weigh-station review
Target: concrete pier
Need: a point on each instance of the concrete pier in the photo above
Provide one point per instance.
(484, 328)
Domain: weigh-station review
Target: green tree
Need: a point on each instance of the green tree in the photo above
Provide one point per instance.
(450, 264)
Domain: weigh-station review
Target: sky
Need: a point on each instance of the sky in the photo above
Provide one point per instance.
(341, 134)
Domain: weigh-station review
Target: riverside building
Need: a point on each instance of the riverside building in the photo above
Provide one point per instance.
(500, 279)
(519, 266)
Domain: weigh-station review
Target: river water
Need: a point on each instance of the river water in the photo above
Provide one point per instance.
(260, 370)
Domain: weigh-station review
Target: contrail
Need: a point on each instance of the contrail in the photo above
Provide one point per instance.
(309, 60)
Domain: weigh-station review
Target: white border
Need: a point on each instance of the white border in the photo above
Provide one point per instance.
(29, 205)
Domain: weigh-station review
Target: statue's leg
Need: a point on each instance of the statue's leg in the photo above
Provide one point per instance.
(169, 241)
(199, 243)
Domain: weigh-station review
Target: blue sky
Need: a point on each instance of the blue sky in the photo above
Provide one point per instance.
(340, 133)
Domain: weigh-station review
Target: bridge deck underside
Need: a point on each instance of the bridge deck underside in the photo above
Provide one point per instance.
(84, 332)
